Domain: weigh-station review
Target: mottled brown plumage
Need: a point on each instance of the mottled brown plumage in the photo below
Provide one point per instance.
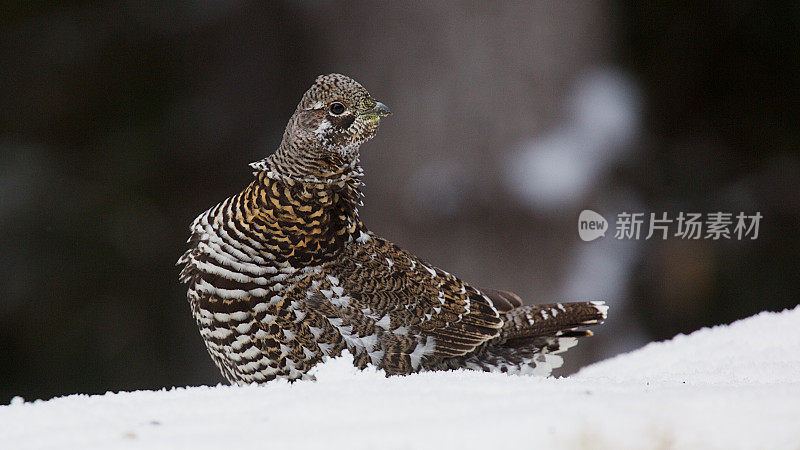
(284, 274)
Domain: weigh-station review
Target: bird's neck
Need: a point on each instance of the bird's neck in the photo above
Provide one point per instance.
(314, 221)
(308, 161)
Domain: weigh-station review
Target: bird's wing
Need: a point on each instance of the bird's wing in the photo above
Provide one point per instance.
(413, 310)
(504, 301)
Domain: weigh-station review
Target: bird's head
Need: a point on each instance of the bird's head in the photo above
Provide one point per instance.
(321, 142)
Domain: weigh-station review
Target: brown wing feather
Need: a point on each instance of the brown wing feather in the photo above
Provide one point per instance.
(504, 301)
(413, 301)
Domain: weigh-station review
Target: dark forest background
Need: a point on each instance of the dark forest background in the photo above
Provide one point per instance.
(120, 121)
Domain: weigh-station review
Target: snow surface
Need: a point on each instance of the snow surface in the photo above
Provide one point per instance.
(735, 386)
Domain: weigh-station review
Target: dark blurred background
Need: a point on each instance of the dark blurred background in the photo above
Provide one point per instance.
(120, 121)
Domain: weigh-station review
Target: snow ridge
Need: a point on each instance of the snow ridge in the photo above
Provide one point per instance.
(733, 386)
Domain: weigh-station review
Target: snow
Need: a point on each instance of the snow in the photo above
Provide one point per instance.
(734, 386)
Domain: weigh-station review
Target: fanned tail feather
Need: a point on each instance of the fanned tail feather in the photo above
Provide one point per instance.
(557, 319)
(533, 336)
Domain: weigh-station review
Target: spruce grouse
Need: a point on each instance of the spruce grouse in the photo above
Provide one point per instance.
(284, 275)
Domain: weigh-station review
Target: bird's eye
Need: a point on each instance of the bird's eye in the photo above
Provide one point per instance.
(337, 108)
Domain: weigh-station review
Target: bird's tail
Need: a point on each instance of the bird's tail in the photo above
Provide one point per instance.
(533, 336)
(557, 319)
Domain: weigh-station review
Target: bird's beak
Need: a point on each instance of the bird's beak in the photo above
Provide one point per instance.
(379, 110)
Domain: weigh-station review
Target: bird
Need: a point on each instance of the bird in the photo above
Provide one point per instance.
(284, 275)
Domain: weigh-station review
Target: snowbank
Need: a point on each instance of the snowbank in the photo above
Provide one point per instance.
(735, 386)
